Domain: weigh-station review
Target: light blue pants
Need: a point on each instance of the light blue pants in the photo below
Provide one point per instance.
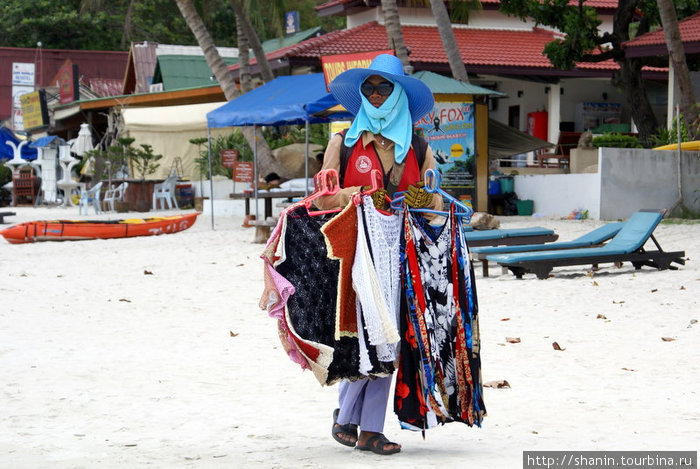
(364, 402)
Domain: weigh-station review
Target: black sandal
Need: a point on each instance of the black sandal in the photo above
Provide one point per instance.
(349, 429)
(376, 445)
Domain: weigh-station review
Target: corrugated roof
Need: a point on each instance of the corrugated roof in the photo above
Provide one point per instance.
(185, 71)
(91, 64)
(654, 43)
(278, 43)
(144, 65)
(104, 87)
(439, 84)
(175, 49)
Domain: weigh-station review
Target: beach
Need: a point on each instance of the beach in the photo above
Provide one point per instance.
(153, 352)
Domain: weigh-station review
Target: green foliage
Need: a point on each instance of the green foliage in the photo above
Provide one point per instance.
(234, 140)
(616, 140)
(277, 137)
(666, 136)
(5, 177)
(115, 157)
(580, 24)
(145, 161)
(99, 25)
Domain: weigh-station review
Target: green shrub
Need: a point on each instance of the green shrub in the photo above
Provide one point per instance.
(667, 136)
(276, 137)
(616, 140)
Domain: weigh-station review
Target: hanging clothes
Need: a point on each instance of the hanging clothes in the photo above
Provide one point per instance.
(436, 382)
(376, 278)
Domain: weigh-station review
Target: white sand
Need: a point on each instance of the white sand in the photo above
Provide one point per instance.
(106, 366)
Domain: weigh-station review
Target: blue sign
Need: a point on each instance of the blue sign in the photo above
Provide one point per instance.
(449, 130)
(291, 22)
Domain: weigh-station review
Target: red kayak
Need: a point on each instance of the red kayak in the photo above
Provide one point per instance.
(73, 230)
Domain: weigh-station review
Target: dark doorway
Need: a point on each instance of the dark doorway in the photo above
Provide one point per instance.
(514, 116)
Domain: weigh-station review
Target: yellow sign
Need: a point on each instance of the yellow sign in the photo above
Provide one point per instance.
(34, 110)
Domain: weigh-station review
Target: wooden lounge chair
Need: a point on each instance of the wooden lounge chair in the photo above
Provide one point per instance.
(509, 237)
(626, 245)
(590, 239)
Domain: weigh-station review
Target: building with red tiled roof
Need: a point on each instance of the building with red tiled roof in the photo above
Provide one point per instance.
(346, 7)
(482, 50)
(654, 43)
(500, 52)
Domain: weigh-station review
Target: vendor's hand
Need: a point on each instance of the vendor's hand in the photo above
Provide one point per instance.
(417, 197)
(379, 197)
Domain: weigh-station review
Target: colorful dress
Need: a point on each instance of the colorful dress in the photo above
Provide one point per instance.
(439, 371)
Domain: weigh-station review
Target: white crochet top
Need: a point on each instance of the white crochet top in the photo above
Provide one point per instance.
(376, 280)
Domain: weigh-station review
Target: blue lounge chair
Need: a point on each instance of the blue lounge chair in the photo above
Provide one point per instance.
(510, 237)
(626, 245)
(590, 239)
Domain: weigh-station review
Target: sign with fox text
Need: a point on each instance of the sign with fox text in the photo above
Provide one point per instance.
(449, 130)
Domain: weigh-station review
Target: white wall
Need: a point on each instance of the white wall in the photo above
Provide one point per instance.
(628, 180)
(560, 194)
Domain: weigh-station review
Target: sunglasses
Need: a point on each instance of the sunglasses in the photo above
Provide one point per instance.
(384, 88)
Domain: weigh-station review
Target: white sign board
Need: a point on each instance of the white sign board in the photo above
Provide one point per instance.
(17, 92)
(23, 74)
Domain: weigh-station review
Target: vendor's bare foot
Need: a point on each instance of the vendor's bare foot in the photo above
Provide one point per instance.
(377, 443)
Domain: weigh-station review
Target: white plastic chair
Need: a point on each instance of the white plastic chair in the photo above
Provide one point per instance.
(165, 191)
(90, 197)
(115, 194)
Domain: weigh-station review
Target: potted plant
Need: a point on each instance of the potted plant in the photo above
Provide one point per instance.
(202, 166)
(145, 163)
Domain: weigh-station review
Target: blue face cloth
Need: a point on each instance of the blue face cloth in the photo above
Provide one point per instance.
(392, 119)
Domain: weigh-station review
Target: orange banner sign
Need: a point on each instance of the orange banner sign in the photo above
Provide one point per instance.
(334, 65)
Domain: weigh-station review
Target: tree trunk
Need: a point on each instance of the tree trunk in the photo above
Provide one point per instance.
(126, 34)
(253, 40)
(216, 64)
(629, 79)
(674, 44)
(243, 58)
(394, 34)
(454, 57)
(266, 162)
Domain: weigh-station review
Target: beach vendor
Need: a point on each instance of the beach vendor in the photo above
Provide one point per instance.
(386, 103)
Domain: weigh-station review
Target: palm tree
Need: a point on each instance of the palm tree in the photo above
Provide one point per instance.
(243, 58)
(394, 34)
(444, 25)
(266, 163)
(688, 105)
(245, 27)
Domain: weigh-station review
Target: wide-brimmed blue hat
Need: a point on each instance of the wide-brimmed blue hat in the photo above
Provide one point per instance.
(346, 86)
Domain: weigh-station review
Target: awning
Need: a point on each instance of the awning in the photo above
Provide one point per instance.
(286, 100)
(506, 141)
